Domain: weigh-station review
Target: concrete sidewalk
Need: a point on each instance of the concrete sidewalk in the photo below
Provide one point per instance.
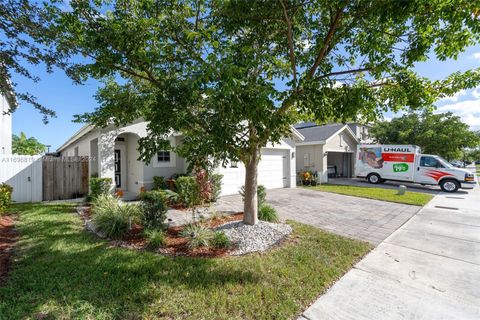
(428, 269)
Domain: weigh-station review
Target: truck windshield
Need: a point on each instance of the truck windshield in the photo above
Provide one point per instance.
(444, 162)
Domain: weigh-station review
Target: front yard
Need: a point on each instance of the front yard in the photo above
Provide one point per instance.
(61, 271)
(412, 198)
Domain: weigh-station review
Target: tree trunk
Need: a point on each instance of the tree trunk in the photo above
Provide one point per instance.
(250, 205)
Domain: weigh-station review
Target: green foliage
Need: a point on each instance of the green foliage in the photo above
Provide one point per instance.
(443, 134)
(216, 179)
(98, 187)
(112, 217)
(233, 76)
(155, 238)
(84, 278)
(5, 197)
(261, 194)
(197, 235)
(154, 210)
(27, 146)
(267, 213)
(159, 183)
(188, 191)
(220, 240)
(170, 196)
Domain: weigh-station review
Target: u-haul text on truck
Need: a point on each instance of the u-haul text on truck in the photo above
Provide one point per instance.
(406, 163)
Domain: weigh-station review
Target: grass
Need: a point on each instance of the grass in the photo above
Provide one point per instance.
(61, 271)
(412, 198)
(478, 168)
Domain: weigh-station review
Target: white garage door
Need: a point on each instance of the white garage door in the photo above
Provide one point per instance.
(272, 172)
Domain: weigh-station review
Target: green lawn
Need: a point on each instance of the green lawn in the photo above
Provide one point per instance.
(61, 271)
(414, 198)
(478, 168)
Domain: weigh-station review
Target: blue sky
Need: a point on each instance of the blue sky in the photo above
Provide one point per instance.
(58, 92)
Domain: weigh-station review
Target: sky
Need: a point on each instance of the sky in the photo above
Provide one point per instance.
(58, 92)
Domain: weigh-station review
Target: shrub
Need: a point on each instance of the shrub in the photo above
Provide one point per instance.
(261, 194)
(188, 191)
(155, 239)
(205, 185)
(267, 213)
(112, 217)
(99, 186)
(5, 197)
(170, 196)
(159, 183)
(220, 240)
(216, 179)
(154, 209)
(197, 235)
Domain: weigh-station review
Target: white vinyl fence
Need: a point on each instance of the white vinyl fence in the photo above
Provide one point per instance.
(24, 174)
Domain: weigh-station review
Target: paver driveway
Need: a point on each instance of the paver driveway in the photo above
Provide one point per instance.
(359, 218)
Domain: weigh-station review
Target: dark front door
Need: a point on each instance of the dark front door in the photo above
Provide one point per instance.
(118, 166)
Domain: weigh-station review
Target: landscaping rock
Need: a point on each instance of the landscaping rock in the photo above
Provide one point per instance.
(259, 237)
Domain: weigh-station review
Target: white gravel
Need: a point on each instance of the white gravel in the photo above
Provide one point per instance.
(259, 237)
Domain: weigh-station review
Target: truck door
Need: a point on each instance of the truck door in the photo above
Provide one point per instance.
(429, 170)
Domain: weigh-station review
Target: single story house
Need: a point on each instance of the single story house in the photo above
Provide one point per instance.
(114, 152)
(329, 149)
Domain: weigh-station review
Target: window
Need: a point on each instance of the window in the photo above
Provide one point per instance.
(163, 156)
(430, 162)
(234, 164)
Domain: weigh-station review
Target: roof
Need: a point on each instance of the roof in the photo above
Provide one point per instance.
(296, 135)
(320, 133)
(76, 136)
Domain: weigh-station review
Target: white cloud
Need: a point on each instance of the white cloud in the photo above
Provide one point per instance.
(468, 110)
(476, 55)
(476, 93)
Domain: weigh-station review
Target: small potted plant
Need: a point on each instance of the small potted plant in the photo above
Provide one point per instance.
(306, 178)
(119, 193)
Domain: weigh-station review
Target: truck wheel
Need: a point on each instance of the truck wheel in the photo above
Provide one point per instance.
(449, 185)
(374, 178)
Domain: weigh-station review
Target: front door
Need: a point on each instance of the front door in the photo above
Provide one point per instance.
(118, 169)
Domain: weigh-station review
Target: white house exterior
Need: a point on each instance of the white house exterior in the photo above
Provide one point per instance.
(6, 100)
(113, 153)
(327, 149)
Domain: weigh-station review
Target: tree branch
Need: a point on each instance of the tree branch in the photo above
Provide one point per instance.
(326, 43)
(337, 73)
(290, 44)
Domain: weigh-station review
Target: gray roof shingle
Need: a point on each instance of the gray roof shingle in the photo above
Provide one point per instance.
(318, 133)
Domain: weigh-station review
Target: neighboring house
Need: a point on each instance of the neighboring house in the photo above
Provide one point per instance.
(361, 131)
(6, 100)
(114, 153)
(328, 149)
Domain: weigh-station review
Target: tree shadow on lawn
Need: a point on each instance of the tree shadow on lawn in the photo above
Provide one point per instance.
(62, 268)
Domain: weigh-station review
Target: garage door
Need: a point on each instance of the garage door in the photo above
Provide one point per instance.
(272, 172)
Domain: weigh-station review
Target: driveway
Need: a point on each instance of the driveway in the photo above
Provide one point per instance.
(359, 218)
(428, 269)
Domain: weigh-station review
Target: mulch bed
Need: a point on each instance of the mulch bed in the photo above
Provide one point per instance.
(175, 244)
(8, 238)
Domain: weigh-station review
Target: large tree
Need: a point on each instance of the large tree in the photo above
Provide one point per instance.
(24, 30)
(27, 146)
(444, 134)
(232, 75)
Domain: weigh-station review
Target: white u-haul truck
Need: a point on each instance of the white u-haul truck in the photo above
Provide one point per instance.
(378, 163)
